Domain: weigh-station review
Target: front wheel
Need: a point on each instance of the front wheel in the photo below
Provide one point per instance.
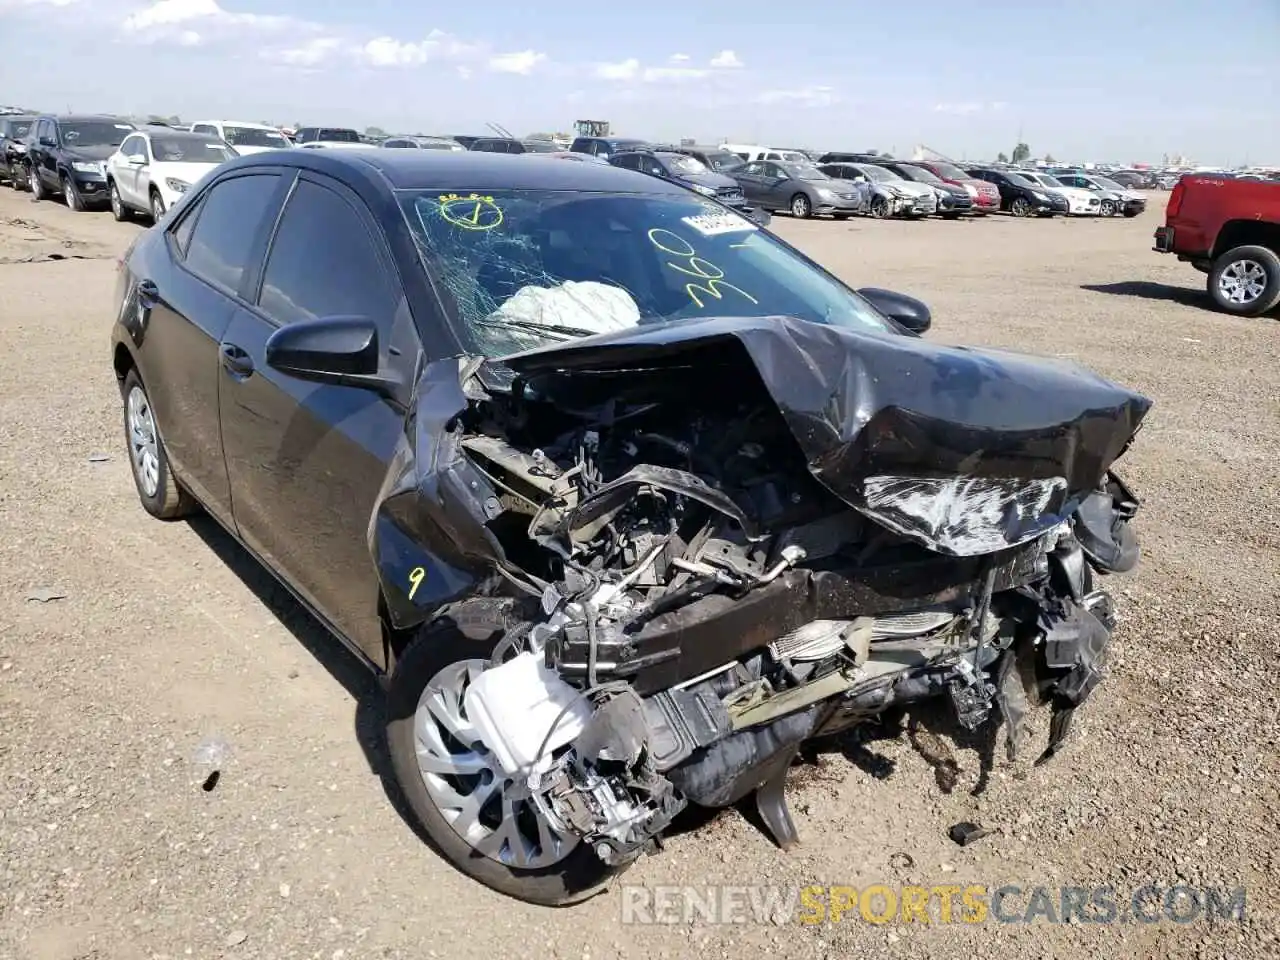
(157, 206)
(158, 489)
(1245, 281)
(1108, 208)
(71, 194)
(485, 824)
(800, 206)
(35, 183)
(1021, 207)
(880, 208)
(118, 209)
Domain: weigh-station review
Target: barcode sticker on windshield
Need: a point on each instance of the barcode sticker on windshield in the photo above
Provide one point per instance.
(713, 224)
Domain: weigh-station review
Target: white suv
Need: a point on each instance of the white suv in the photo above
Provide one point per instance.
(244, 136)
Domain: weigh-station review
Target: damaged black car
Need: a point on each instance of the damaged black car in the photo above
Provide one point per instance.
(624, 497)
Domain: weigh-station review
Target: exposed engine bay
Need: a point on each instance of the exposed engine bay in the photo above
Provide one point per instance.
(715, 562)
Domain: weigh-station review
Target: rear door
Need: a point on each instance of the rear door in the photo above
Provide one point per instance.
(186, 290)
(306, 460)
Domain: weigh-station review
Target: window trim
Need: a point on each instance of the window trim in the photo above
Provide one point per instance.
(197, 204)
(390, 278)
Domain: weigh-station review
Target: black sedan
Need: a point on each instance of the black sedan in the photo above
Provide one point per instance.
(799, 188)
(321, 350)
(1020, 196)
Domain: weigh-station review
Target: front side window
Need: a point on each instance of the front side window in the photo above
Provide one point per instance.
(525, 268)
(343, 276)
(223, 238)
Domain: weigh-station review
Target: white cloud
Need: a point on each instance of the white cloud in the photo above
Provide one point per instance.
(968, 108)
(521, 62)
(156, 19)
(726, 60)
(312, 53)
(438, 45)
(678, 57)
(815, 95)
(672, 74)
(33, 4)
(189, 38)
(625, 70)
(464, 73)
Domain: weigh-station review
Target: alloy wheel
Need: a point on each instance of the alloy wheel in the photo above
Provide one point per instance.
(800, 206)
(486, 808)
(117, 207)
(157, 207)
(1108, 208)
(880, 208)
(144, 446)
(33, 181)
(1020, 207)
(1242, 282)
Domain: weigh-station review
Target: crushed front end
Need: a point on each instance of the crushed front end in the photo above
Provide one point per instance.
(722, 538)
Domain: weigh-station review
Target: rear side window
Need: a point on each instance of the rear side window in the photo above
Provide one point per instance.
(343, 276)
(222, 239)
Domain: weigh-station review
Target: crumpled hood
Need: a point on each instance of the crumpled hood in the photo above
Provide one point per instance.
(717, 181)
(908, 187)
(964, 450)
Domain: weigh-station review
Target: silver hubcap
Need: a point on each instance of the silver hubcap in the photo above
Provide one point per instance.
(35, 182)
(144, 448)
(1243, 281)
(115, 200)
(799, 207)
(157, 206)
(468, 787)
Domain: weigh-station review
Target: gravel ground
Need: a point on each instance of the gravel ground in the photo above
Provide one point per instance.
(165, 645)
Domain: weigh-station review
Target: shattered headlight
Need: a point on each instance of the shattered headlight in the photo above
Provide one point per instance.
(967, 516)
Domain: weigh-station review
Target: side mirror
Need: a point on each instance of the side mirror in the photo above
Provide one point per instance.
(907, 311)
(337, 350)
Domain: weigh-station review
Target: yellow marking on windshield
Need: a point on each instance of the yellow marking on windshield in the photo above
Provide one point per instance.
(695, 266)
(471, 212)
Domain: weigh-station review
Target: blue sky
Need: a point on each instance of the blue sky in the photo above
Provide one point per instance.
(1082, 80)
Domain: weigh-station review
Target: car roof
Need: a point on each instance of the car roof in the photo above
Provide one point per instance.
(173, 133)
(464, 170)
(251, 124)
(82, 117)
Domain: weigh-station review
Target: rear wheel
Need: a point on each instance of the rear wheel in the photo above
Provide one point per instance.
(473, 813)
(800, 206)
(1245, 281)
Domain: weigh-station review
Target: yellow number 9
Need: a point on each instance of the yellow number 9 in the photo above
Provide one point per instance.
(416, 576)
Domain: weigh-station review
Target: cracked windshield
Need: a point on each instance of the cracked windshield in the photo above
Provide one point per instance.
(528, 268)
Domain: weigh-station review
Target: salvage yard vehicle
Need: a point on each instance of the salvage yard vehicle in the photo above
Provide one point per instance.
(68, 154)
(1229, 229)
(13, 149)
(1020, 196)
(1080, 203)
(154, 167)
(985, 196)
(799, 188)
(624, 497)
(684, 170)
(1114, 199)
(245, 136)
(885, 194)
(953, 200)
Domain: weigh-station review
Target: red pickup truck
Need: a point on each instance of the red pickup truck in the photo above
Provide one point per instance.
(1229, 229)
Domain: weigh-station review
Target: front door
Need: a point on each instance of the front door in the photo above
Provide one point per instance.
(306, 460)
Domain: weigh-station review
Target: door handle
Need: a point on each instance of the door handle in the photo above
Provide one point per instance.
(236, 360)
(148, 293)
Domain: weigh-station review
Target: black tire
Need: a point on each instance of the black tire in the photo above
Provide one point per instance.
(950, 216)
(19, 180)
(841, 216)
(118, 209)
(71, 195)
(1107, 208)
(1021, 207)
(880, 208)
(157, 206)
(1233, 262)
(38, 191)
(168, 500)
(1131, 213)
(578, 876)
(800, 207)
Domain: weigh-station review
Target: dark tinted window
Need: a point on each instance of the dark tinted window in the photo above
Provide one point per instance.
(339, 135)
(182, 232)
(402, 144)
(223, 239)
(305, 135)
(629, 160)
(343, 276)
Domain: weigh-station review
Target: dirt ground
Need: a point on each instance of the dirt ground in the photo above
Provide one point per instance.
(151, 643)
